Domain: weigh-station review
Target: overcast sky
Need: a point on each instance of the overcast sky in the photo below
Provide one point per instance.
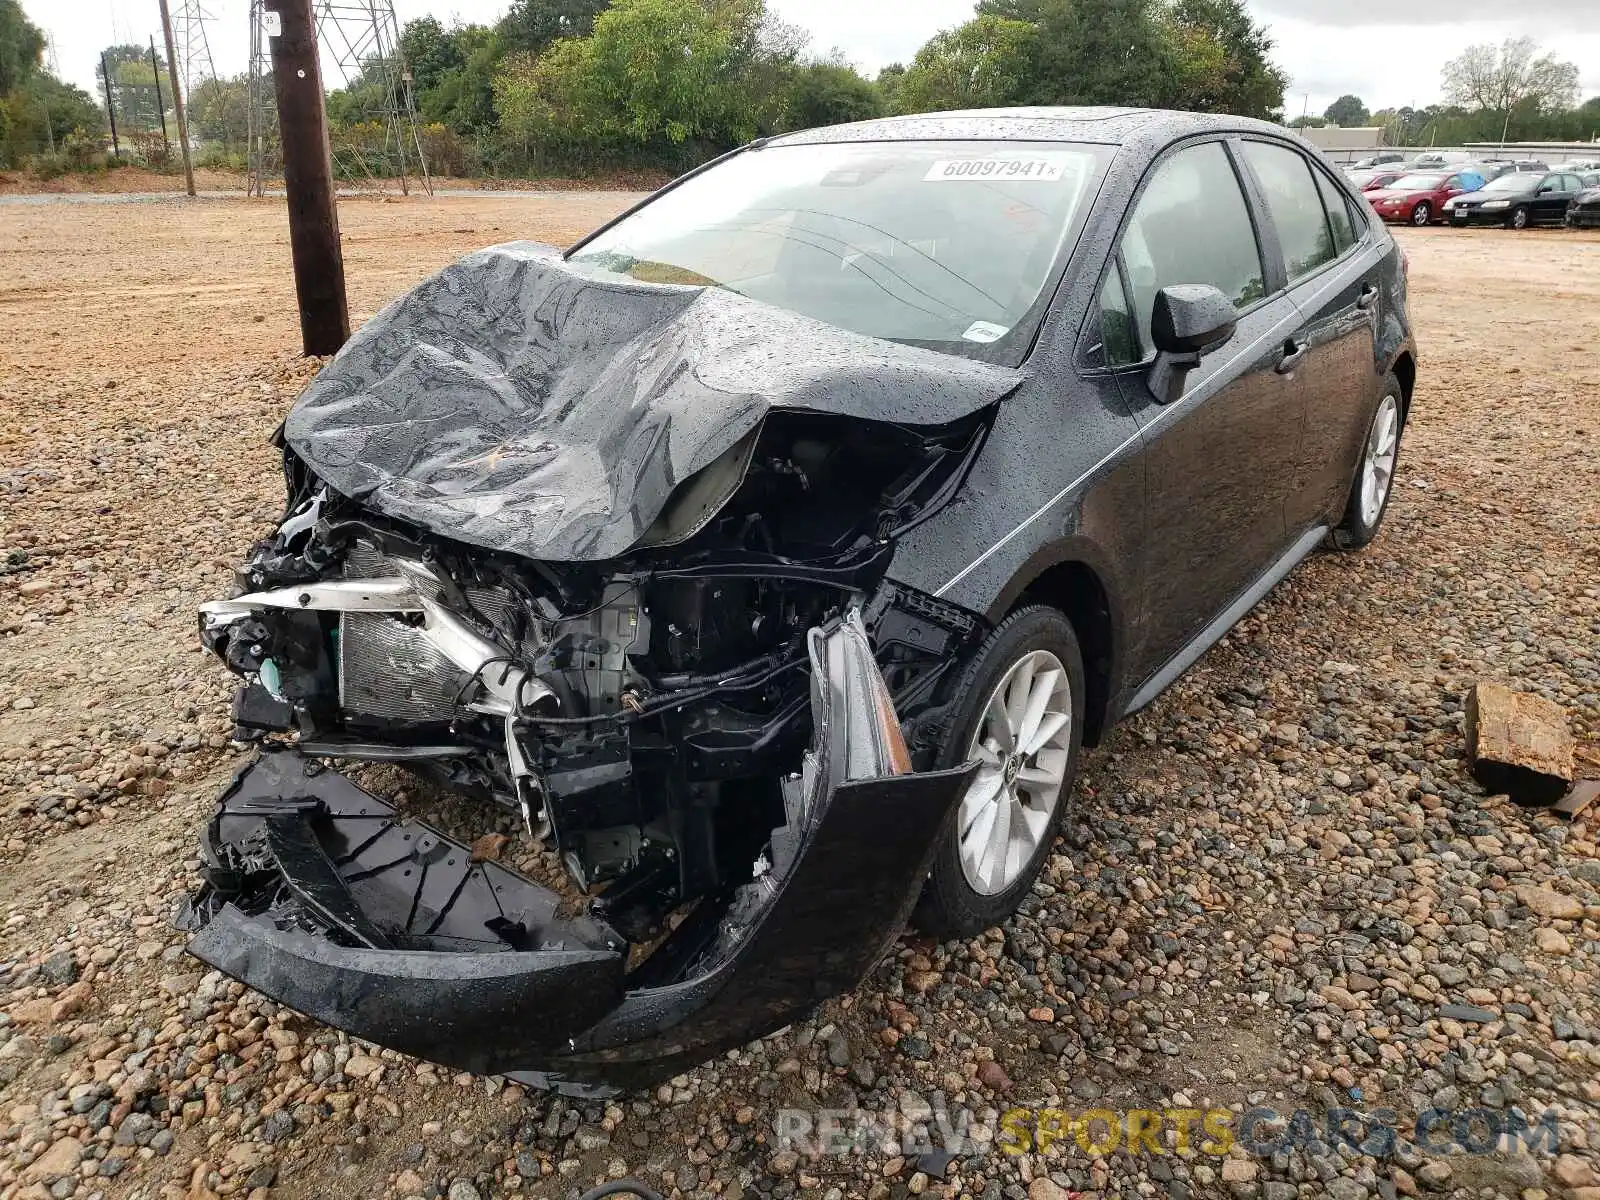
(1388, 52)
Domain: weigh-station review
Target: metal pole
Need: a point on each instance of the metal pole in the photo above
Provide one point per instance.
(308, 178)
(111, 111)
(155, 73)
(177, 99)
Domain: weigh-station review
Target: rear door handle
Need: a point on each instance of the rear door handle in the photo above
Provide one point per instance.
(1368, 297)
(1293, 352)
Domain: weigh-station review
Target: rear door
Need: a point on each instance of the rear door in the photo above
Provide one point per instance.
(1332, 265)
(1218, 460)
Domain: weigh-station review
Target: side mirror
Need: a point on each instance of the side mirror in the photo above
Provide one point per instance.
(1189, 321)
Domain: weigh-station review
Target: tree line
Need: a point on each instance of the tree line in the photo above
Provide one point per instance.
(1510, 92)
(562, 86)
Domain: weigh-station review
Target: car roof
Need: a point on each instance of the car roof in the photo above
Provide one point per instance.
(1100, 126)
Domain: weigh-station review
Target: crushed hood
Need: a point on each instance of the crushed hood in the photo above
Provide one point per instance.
(530, 405)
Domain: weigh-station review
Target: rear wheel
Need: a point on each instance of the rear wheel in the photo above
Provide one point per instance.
(1374, 481)
(1422, 214)
(1518, 218)
(1018, 711)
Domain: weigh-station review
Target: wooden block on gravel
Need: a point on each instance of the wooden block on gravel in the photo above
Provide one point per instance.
(1519, 744)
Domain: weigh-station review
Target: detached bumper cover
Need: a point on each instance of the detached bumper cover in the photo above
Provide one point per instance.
(321, 896)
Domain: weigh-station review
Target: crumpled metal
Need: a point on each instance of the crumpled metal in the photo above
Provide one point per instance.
(525, 404)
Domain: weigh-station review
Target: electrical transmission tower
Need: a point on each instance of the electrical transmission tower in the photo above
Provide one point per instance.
(192, 45)
(361, 38)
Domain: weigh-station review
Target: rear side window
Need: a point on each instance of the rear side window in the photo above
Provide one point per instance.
(1333, 201)
(1296, 207)
(1191, 226)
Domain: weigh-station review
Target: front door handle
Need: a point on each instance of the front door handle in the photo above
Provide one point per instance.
(1293, 352)
(1368, 297)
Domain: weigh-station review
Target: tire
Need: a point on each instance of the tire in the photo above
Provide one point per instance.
(957, 900)
(1519, 219)
(1422, 214)
(1363, 516)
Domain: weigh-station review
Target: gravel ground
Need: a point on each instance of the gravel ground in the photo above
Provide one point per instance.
(1286, 889)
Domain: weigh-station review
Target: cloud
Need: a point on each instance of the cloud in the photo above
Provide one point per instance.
(1570, 15)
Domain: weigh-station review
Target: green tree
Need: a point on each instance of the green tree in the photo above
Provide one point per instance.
(219, 111)
(531, 25)
(831, 94)
(654, 75)
(1348, 111)
(1307, 122)
(21, 47)
(1499, 79)
(1095, 51)
(462, 98)
(985, 62)
(1220, 60)
(430, 51)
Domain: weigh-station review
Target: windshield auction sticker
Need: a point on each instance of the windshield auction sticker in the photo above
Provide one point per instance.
(1039, 169)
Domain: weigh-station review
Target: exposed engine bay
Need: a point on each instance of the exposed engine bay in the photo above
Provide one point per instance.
(639, 712)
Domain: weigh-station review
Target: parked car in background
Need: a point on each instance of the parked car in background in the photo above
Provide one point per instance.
(1434, 159)
(772, 552)
(1367, 181)
(1420, 198)
(1578, 165)
(1518, 200)
(1584, 210)
(1380, 159)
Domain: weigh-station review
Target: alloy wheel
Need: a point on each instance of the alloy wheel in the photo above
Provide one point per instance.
(1377, 467)
(1023, 743)
(1519, 219)
(1422, 214)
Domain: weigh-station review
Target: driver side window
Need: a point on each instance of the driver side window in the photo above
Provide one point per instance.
(1191, 225)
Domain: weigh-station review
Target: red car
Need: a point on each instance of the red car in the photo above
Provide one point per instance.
(1418, 199)
(1377, 177)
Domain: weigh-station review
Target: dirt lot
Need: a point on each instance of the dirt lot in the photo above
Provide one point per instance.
(1289, 893)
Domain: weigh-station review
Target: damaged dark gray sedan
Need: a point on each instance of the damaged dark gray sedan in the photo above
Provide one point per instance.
(772, 552)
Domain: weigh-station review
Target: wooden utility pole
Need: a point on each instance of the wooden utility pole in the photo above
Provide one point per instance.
(177, 98)
(308, 178)
(161, 107)
(111, 109)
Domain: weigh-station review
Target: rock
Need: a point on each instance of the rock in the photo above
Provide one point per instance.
(1238, 1170)
(1340, 998)
(1469, 1013)
(1570, 1171)
(463, 1189)
(1519, 744)
(71, 1000)
(489, 847)
(1551, 941)
(409, 1183)
(1344, 1188)
(1434, 1175)
(62, 1158)
(783, 1162)
(1044, 1188)
(60, 968)
(993, 1076)
(360, 1066)
(1549, 904)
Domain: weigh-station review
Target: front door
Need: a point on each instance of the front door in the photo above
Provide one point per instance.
(1218, 460)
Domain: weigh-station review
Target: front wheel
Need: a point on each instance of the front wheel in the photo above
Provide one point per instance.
(1374, 481)
(1018, 711)
(1518, 219)
(1422, 214)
